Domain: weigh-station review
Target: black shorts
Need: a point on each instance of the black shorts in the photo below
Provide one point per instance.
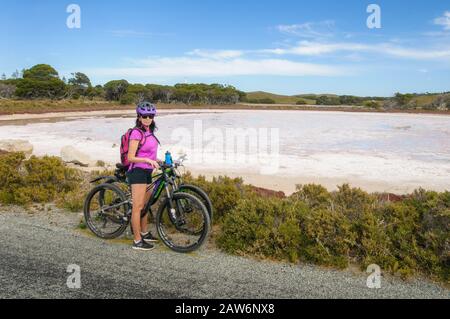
(139, 176)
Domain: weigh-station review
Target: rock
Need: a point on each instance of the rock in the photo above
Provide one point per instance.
(268, 192)
(389, 197)
(70, 154)
(17, 146)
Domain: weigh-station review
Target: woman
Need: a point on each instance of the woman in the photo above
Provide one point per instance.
(142, 153)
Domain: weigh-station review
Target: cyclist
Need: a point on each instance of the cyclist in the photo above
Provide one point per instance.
(142, 154)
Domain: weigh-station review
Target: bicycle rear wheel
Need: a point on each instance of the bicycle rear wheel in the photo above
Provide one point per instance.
(183, 222)
(106, 211)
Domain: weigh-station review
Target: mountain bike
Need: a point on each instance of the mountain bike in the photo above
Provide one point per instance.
(174, 174)
(182, 220)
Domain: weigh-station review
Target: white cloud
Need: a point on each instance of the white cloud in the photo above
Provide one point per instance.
(308, 48)
(317, 48)
(216, 54)
(188, 66)
(322, 29)
(444, 20)
(414, 53)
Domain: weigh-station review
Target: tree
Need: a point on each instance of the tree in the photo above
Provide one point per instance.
(403, 99)
(328, 100)
(78, 84)
(3, 77)
(40, 81)
(139, 93)
(161, 93)
(350, 100)
(41, 72)
(6, 90)
(80, 80)
(114, 90)
(29, 88)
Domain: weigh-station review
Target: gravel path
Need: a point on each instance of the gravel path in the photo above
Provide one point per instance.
(36, 249)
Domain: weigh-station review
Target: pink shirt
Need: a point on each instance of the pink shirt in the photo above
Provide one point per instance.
(148, 150)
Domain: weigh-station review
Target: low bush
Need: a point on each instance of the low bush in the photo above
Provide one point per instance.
(223, 191)
(346, 226)
(301, 102)
(38, 179)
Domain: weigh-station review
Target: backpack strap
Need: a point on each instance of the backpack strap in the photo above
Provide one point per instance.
(143, 138)
(156, 138)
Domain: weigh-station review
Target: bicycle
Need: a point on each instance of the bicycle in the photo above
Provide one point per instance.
(182, 220)
(179, 185)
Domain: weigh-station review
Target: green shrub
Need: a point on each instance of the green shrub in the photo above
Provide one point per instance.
(346, 226)
(264, 227)
(328, 100)
(352, 202)
(10, 177)
(372, 104)
(315, 196)
(127, 99)
(34, 180)
(74, 199)
(401, 228)
(432, 237)
(223, 191)
(100, 163)
(313, 225)
(327, 237)
(261, 101)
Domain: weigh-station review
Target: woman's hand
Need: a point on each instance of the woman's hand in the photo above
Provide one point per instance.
(152, 163)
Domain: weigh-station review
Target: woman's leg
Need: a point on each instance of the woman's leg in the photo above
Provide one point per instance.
(138, 196)
(144, 220)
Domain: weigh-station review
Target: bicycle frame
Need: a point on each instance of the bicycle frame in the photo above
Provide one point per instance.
(168, 177)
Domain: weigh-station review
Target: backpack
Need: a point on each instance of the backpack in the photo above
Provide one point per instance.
(125, 143)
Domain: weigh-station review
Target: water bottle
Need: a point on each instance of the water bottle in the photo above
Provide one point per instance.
(168, 158)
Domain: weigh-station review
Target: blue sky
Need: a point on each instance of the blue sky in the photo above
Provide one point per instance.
(286, 47)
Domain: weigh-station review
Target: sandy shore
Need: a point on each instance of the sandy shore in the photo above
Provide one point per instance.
(26, 116)
(63, 114)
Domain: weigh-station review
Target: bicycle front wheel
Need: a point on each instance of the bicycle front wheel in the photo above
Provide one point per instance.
(200, 194)
(183, 222)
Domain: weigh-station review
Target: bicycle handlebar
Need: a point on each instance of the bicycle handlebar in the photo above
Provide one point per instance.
(175, 164)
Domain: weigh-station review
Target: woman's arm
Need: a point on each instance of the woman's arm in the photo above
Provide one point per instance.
(132, 155)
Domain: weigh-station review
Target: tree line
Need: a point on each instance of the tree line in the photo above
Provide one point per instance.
(43, 81)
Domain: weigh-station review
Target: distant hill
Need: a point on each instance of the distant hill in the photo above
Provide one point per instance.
(427, 101)
(279, 99)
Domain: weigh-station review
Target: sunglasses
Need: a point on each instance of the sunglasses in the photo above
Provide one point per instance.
(148, 116)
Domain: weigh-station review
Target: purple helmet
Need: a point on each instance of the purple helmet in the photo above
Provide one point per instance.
(145, 108)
